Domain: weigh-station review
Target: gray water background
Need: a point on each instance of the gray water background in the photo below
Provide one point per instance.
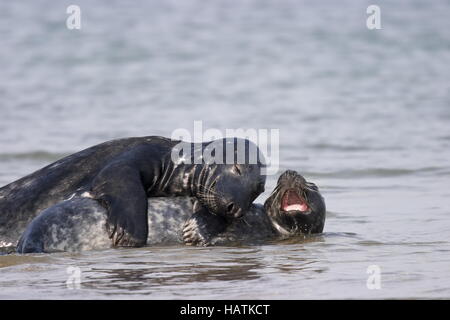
(363, 113)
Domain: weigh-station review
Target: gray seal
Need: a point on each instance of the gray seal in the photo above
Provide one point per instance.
(122, 174)
(295, 207)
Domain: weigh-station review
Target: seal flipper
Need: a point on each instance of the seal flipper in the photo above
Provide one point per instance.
(120, 190)
(30, 242)
(202, 226)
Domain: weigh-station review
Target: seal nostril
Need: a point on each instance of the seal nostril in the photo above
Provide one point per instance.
(230, 207)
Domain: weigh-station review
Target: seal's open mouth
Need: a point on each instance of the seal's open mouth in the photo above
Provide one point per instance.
(292, 201)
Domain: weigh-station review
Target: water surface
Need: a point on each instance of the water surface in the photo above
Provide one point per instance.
(363, 113)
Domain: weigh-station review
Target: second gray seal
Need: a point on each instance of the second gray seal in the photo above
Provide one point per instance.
(295, 207)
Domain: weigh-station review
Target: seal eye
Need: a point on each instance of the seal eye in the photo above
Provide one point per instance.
(237, 170)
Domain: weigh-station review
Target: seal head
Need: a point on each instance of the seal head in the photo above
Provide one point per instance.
(229, 177)
(234, 190)
(296, 206)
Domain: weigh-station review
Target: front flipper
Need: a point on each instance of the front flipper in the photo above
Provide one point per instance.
(120, 190)
(202, 226)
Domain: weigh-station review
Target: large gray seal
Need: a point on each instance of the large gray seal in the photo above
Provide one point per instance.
(122, 174)
(294, 208)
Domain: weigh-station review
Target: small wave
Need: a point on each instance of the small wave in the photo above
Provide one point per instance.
(400, 243)
(372, 172)
(332, 214)
(370, 243)
(341, 147)
(340, 234)
(341, 215)
(445, 138)
(13, 259)
(33, 155)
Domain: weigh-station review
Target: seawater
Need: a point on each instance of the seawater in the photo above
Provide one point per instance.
(365, 114)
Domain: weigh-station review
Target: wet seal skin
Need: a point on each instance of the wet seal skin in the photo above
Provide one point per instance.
(294, 208)
(122, 174)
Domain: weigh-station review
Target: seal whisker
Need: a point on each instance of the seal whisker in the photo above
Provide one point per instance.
(207, 190)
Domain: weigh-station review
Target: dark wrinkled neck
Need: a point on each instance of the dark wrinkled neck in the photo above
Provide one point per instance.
(188, 177)
(173, 180)
(178, 179)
